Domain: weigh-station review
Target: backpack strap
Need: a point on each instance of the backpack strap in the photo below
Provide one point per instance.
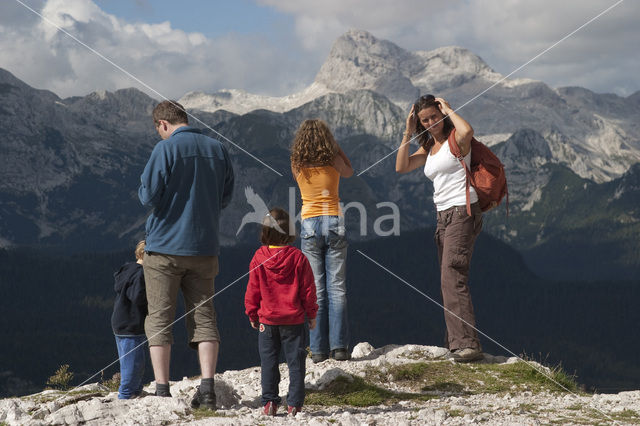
(455, 150)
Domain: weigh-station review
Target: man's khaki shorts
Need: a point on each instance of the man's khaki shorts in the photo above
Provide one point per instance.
(164, 275)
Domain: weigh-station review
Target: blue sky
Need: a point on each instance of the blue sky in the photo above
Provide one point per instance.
(212, 18)
(275, 47)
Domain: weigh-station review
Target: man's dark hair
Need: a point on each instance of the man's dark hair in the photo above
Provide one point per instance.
(276, 221)
(170, 111)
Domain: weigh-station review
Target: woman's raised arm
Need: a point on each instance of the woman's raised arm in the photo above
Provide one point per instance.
(342, 164)
(405, 162)
(464, 131)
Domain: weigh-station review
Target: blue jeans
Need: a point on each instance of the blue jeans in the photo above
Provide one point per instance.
(131, 364)
(325, 245)
(289, 338)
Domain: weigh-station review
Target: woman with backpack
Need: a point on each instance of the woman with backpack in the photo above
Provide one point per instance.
(435, 125)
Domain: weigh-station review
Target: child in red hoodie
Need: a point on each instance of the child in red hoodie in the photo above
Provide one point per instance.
(281, 291)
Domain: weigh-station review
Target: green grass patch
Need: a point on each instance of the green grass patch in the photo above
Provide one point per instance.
(205, 413)
(357, 393)
(63, 397)
(527, 407)
(444, 377)
(455, 413)
(595, 417)
(628, 414)
(85, 392)
(441, 386)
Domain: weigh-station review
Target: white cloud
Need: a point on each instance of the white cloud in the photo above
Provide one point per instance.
(506, 33)
(169, 60)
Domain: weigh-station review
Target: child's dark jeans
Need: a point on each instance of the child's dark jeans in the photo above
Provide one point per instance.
(132, 353)
(291, 339)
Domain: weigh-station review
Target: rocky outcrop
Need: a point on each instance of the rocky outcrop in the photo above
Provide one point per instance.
(405, 403)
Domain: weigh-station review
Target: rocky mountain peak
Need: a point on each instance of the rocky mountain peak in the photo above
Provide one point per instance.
(526, 144)
(358, 60)
(124, 104)
(7, 78)
(356, 43)
(457, 59)
(635, 97)
(10, 83)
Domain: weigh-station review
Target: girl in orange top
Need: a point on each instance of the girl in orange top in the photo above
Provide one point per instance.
(317, 163)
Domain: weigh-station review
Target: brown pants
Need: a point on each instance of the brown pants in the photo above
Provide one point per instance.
(164, 276)
(455, 236)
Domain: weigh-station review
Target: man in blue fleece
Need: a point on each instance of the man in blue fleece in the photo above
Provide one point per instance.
(187, 181)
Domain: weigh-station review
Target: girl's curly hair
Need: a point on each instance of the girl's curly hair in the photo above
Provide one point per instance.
(313, 145)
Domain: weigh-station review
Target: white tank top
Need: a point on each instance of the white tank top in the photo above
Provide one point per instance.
(449, 179)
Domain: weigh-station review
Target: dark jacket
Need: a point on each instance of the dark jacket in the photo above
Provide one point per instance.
(281, 287)
(130, 306)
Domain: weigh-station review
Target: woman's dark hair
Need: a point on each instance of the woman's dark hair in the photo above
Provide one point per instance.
(275, 228)
(425, 139)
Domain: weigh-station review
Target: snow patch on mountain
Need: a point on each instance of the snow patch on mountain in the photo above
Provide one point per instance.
(533, 198)
(493, 138)
(241, 102)
(360, 61)
(593, 134)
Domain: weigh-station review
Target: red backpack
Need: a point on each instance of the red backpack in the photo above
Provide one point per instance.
(487, 174)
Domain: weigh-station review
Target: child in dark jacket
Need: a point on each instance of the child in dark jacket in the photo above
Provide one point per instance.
(127, 321)
(281, 291)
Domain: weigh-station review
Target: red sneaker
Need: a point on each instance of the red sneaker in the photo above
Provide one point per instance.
(294, 410)
(270, 408)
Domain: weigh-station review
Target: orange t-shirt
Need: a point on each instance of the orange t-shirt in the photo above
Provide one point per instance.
(319, 190)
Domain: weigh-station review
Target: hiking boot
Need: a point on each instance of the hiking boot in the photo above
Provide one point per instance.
(341, 355)
(467, 355)
(293, 410)
(270, 408)
(163, 390)
(203, 400)
(316, 358)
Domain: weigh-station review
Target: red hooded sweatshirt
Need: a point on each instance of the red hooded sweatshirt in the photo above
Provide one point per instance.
(281, 287)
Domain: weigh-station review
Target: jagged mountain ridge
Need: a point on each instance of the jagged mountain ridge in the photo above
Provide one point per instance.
(79, 169)
(79, 160)
(72, 165)
(594, 134)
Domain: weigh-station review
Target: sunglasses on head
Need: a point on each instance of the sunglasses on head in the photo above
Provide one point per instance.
(426, 98)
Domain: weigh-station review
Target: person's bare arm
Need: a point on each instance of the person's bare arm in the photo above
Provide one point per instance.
(342, 164)
(464, 131)
(405, 162)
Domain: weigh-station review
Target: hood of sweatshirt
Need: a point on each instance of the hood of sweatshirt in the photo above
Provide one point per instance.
(125, 275)
(276, 260)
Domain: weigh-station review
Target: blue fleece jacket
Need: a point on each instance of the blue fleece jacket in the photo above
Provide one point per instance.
(188, 180)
